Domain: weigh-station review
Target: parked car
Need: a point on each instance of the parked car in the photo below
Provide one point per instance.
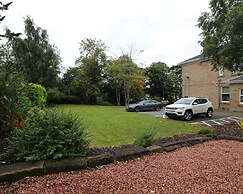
(187, 107)
(144, 105)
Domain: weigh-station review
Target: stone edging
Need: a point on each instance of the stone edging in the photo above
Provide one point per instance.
(14, 172)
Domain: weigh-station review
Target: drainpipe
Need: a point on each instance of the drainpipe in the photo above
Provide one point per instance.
(219, 93)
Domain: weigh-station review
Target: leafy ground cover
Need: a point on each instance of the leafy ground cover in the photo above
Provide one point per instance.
(112, 126)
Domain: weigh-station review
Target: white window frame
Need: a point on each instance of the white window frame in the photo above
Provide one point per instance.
(240, 95)
(225, 93)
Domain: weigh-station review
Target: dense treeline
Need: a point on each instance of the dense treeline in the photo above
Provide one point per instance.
(96, 78)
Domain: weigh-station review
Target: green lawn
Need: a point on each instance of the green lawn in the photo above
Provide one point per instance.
(112, 126)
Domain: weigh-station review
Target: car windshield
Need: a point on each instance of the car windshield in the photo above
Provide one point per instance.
(184, 101)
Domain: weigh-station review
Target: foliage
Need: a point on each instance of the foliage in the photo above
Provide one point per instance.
(156, 74)
(34, 56)
(175, 77)
(114, 76)
(37, 94)
(57, 97)
(13, 102)
(164, 82)
(91, 62)
(146, 138)
(222, 30)
(240, 124)
(68, 85)
(52, 135)
(124, 76)
(205, 131)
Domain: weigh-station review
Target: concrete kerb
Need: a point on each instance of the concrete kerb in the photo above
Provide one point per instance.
(14, 172)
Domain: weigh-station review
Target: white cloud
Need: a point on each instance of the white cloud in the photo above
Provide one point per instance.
(165, 30)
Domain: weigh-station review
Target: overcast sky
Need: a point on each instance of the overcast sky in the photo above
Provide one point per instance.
(165, 30)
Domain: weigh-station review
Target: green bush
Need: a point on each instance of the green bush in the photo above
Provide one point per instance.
(37, 94)
(49, 134)
(146, 138)
(57, 97)
(205, 131)
(13, 103)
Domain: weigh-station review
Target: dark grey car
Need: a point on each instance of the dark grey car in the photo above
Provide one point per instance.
(144, 105)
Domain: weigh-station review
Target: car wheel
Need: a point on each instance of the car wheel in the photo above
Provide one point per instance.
(157, 108)
(188, 115)
(137, 109)
(209, 113)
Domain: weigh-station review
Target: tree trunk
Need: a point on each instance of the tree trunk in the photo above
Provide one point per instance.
(118, 96)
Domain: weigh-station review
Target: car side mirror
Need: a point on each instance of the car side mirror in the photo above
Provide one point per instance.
(194, 103)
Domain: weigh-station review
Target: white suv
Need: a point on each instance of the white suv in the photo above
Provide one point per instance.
(187, 107)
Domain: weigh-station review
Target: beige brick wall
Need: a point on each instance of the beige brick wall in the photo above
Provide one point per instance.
(198, 79)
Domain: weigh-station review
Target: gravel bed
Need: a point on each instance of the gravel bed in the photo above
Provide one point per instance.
(210, 167)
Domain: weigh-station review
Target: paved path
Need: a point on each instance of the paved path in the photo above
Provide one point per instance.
(219, 117)
(220, 121)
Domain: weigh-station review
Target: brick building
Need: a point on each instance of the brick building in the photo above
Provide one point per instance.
(222, 87)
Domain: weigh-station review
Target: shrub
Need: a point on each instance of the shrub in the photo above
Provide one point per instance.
(57, 97)
(52, 135)
(13, 102)
(37, 94)
(146, 138)
(205, 131)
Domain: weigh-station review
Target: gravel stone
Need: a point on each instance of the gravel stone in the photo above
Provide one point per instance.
(210, 167)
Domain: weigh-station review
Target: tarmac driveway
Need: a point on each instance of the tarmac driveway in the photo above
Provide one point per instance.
(219, 117)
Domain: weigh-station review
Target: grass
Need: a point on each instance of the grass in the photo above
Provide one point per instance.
(112, 126)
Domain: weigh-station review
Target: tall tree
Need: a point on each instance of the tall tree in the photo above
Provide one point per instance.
(92, 61)
(156, 79)
(114, 78)
(174, 83)
(35, 57)
(68, 79)
(222, 33)
(126, 78)
(129, 72)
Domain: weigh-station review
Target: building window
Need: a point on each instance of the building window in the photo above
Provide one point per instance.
(225, 94)
(221, 70)
(241, 96)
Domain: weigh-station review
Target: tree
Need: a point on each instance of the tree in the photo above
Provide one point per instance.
(13, 103)
(68, 79)
(129, 75)
(92, 62)
(222, 33)
(126, 78)
(175, 82)
(35, 57)
(156, 78)
(114, 78)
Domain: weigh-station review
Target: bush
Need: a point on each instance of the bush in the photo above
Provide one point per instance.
(146, 138)
(205, 131)
(57, 97)
(49, 135)
(13, 103)
(37, 94)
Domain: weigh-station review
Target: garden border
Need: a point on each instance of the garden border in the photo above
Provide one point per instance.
(13, 172)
